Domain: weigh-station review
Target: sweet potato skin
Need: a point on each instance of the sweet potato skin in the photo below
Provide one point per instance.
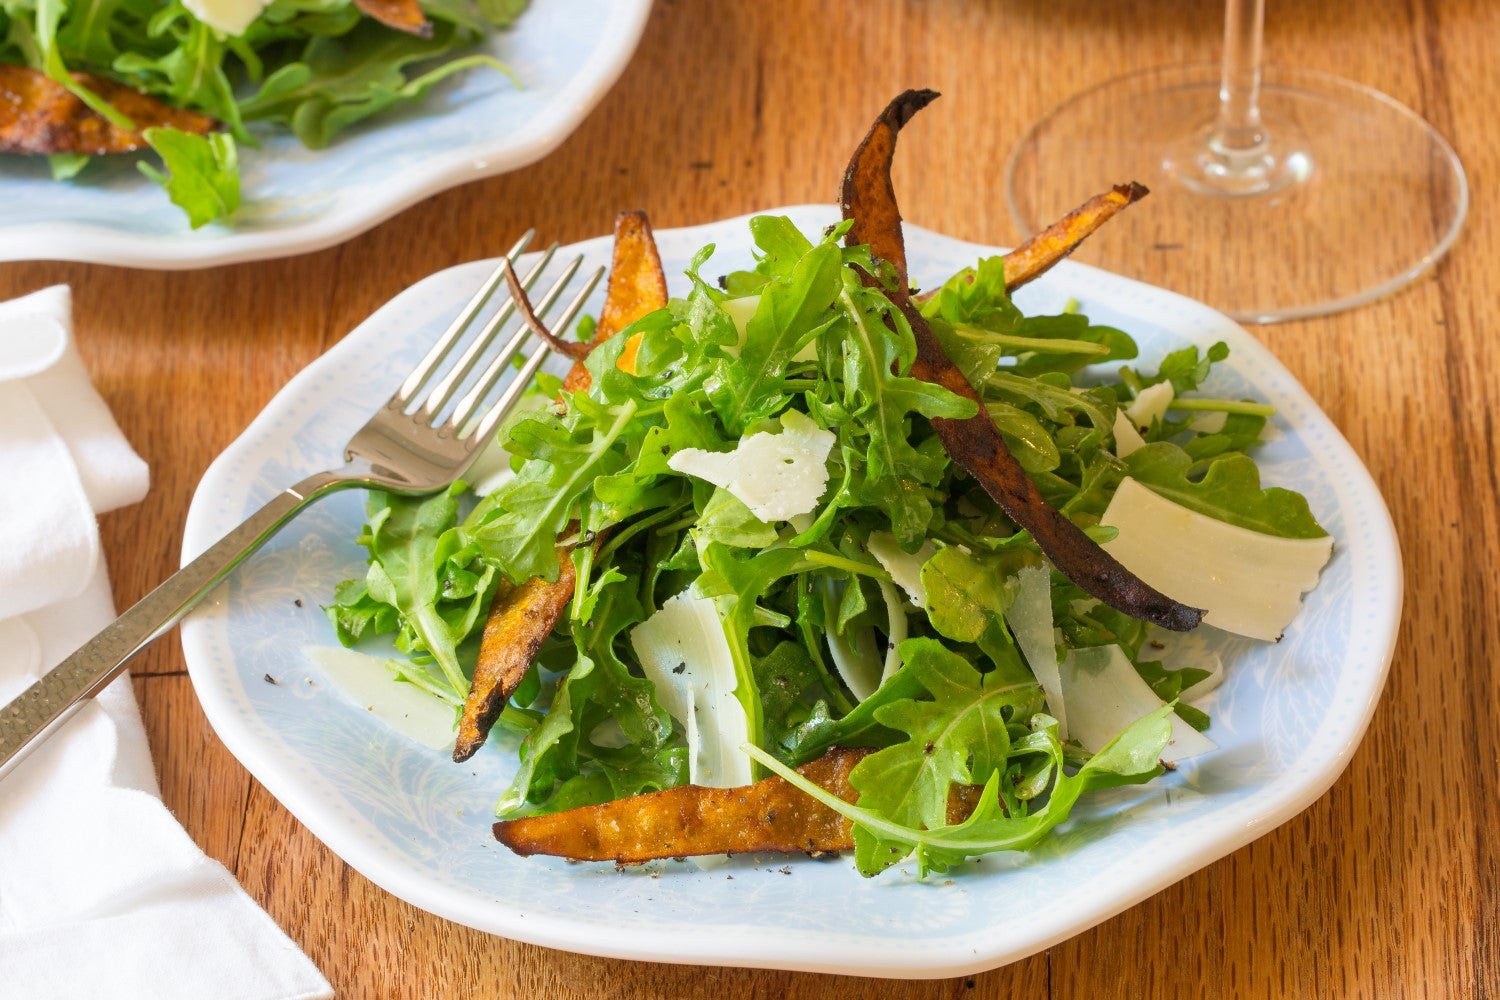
(637, 286)
(402, 15)
(522, 616)
(40, 116)
(868, 200)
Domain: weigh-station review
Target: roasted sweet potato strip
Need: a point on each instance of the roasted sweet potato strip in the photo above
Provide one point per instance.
(868, 199)
(522, 616)
(1038, 254)
(688, 821)
(403, 15)
(40, 116)
(770, 816)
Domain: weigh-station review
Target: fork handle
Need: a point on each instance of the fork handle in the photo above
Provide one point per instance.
(43, 707)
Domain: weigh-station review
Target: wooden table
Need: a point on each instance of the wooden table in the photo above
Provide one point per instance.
(1387, 886)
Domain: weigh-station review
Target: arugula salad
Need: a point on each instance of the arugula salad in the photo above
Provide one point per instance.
(195, 80)
(775, 555)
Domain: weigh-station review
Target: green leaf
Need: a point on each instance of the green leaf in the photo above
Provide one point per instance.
(416, 562)
(1229, 491)
(791, 313)
(202, 176)
(344, 80)
(958, 737)
(1131, 758)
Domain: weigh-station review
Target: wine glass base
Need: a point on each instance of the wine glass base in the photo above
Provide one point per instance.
(1351, 197)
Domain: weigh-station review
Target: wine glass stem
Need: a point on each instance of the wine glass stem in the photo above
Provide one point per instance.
(1238, 129)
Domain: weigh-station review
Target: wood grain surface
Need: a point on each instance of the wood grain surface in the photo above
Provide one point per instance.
(1385, 887)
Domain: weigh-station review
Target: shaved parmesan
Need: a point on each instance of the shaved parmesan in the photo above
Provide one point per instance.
(895, 616)
(855, 657)
(777, 476)
(905, 567)
(1104, 695)
(1150, 405)
(1209, 423)
(1127, 438)
(1030, 619)
(1250, 583)
(231, 17)
(739, 312)
(686, 656)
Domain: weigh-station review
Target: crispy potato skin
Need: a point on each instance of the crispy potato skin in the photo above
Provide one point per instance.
(522, 616)
(40, 116)
(868, 200)
(403, 15)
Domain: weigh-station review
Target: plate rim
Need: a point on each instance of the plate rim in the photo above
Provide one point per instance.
(1291, 792)
(68, 241)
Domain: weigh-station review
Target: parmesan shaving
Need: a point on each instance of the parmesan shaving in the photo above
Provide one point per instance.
(685, 654)
(905, 567)
(1150, 405)
(1250, 583)
(777, 476)
(1030, 619)
(1127, 438)
(1105, 694)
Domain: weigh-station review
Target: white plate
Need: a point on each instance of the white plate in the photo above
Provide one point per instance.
(1287, 718)
(567, 53)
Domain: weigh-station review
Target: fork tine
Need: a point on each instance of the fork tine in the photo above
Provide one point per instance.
(424, 369)
(439, 395)
(468, 405)
(523, 377)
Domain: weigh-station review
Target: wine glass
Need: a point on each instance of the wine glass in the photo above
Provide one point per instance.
(1290, 193)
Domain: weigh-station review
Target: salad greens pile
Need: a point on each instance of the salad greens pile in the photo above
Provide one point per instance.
(315, 67)
(807, 614)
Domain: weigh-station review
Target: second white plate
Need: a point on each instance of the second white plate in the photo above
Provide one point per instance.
(567, 54)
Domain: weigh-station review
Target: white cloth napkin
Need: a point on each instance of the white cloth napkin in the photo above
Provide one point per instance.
(102, 893)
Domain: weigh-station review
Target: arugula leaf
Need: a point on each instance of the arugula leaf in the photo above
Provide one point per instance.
(1131, 758)
(344, 80)
(419, 567)
(202, 175)
(1229, 491)
(749, 388)
(959, 737)
(875, 345)
(567, 760)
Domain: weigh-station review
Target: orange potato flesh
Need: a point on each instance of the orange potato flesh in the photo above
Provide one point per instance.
(40, 116)
(637, 287)
(403, 15)
(520, 619)
(1038, 254)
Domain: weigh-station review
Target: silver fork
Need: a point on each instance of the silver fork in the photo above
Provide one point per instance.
(414, 445)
